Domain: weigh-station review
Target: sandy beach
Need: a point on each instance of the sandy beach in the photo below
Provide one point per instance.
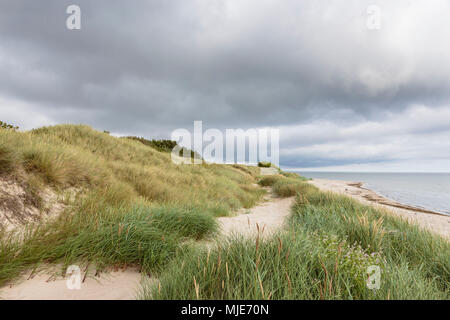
(429, 220)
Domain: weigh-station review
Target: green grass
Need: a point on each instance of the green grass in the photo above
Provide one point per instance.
(267, 181)
(131, 205)
(263, 164)
(7, 126)
(323, 254)
(137, 235)
(284, 185)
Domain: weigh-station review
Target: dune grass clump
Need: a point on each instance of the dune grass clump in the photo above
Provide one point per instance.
(284, 267)
(185, 222)
(284, 185)
(324, 253)
(375, 230)
(8, 159)
(268, 181)
(293, 175)
(287, 187)
(142, 235)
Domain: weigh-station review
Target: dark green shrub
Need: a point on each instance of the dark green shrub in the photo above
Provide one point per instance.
(263, 164)
(160, 145)
(163, 145)
(5, 125)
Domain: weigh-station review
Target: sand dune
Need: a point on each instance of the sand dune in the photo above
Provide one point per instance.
(268, 216)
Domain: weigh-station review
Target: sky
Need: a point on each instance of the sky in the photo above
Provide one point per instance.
(349, 88)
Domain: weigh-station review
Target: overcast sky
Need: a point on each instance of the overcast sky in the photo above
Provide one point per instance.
(345, 96)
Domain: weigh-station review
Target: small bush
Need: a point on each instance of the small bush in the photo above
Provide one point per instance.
(263, 164)
(4, 125)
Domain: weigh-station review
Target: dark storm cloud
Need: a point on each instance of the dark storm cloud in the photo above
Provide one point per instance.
(148, 67)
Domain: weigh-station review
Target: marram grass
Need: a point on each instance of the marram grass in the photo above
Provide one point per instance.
(139, 235)
(78, 156)
(323, 253)
(132, 205)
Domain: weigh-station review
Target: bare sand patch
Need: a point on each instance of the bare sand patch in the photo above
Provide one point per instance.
(117, 285)
(429, 220)
(18, 208)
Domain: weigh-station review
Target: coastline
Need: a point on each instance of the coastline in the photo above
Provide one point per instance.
(430, 220)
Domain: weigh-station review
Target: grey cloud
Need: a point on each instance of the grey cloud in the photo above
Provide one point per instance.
(148, 67)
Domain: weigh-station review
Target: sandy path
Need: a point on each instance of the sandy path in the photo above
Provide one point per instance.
(118, 285)
(427, 219)
(268, 217)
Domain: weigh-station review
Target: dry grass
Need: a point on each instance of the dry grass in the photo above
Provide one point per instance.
(78, 156)
(123, 186)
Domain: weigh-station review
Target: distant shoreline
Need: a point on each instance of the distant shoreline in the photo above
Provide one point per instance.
(382, 199)
(428, 219)
(424, 192)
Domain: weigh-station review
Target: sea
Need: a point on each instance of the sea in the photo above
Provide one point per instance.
(429, 191)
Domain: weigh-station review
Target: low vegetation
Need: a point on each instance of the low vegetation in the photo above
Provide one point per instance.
(4, 125)
(263, 164)
(284, 185)
(134, 235)
(160, 145)
(324, 253)
(130, 204)
(167, 146)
